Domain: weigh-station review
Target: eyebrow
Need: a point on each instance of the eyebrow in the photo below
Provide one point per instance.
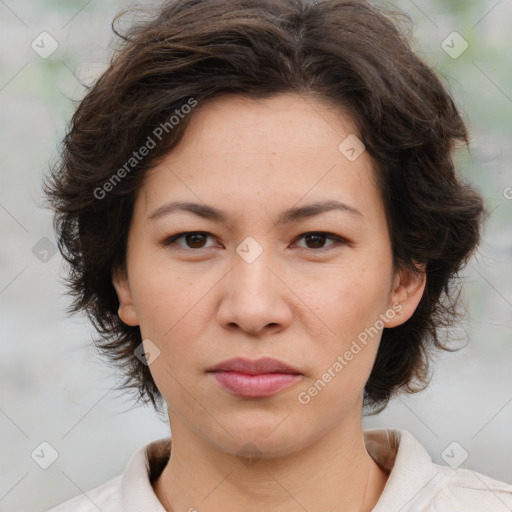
(288, 216)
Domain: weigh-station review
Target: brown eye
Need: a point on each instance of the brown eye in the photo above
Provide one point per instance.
(196, 240)
(192, 240)
(316, 239)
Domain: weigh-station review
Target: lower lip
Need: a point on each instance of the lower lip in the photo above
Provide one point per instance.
(255, 386)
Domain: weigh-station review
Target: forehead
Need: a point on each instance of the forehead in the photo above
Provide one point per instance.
(285, 123)
(254, 153)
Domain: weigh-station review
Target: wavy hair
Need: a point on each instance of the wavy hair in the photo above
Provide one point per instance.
(348, 52)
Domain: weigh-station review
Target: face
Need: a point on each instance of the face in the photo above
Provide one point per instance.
(286, 256)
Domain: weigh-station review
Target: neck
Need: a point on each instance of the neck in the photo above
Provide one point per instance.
(333, 473)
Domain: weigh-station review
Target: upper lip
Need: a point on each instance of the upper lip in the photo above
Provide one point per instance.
(254, 366)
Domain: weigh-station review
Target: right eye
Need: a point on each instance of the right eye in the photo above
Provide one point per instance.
(193, 239)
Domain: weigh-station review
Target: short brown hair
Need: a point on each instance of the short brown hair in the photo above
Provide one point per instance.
(344, 51)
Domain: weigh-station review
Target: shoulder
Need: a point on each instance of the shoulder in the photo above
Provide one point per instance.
(106, 497)
(130, 491)
(416, 483)
(469, 491)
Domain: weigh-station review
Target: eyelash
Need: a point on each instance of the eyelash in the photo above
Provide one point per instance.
(172, 240)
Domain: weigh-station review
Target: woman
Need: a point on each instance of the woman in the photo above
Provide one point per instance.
(262, 219)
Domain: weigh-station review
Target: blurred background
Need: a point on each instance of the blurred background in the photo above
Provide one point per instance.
(55, 389)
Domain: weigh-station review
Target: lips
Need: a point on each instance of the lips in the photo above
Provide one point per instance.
(254, 367)
(254, 378)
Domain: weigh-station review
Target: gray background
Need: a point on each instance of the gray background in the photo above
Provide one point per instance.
(54, 388)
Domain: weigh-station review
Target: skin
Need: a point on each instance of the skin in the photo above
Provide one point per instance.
(302, 301)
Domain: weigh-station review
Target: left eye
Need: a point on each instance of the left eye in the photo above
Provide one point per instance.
(196, 239)
(318, 238)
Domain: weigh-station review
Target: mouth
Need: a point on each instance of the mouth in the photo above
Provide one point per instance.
(254, 378)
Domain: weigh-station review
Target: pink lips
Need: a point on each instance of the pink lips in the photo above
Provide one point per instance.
(255, 379)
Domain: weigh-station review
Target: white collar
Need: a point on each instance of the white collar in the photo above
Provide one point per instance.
(397, 451)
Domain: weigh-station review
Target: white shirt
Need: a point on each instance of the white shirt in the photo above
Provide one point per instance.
(415, 483)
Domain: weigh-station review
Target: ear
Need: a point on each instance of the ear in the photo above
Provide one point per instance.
(408, 288)
(126, 311)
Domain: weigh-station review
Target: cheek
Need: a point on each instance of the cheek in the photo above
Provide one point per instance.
(356, 297)
(157, 301)
(350, 306)
(174, 309)
(172, 314)
(164, 291)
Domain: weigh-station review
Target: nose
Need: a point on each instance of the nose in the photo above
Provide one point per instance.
(255, 297)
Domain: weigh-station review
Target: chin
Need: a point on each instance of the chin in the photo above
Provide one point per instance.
(259, 439)
(259, 447)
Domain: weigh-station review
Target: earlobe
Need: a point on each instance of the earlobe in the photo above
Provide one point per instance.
(126, 311)
(408, 288)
